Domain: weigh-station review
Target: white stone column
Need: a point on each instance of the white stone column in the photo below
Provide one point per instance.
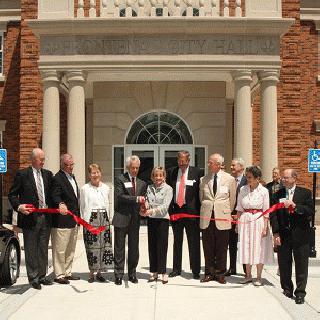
(269, 125)
(76, 123)
(243, 116)
(51, 119)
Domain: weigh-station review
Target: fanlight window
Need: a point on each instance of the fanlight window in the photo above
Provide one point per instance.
(159, 128)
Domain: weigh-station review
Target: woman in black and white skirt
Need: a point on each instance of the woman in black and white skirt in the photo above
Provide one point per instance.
(95, 206)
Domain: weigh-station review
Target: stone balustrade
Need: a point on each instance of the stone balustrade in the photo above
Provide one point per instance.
(160, 8)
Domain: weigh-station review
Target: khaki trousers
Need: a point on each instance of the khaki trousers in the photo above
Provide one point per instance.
(63, 249)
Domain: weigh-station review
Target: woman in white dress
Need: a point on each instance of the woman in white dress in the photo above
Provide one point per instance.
(95, 205)
(255, 240)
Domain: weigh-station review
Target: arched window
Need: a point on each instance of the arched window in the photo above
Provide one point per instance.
(159, 128)
(123, 13)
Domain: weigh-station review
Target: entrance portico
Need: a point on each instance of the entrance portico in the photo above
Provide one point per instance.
(229, 56)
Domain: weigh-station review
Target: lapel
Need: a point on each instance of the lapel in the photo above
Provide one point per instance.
(127, 179)
(210, 184)
(295, 194)
(33, 182)
(68, 185)
(45, 181)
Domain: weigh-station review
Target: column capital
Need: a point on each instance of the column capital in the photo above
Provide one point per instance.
(242, 75)
(77, 76)
(269, 75)
(50, 76)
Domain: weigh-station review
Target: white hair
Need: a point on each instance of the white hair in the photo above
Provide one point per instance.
(218, 158)
(239, 161)
(35, 152)
(131, 159)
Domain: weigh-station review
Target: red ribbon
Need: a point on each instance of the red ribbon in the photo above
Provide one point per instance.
(77, 219)
(275, 207)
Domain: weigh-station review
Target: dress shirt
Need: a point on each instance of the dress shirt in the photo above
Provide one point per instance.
(290, 192)
(35, 175)
(238, 179)
(218, 180)
(178, 183)
(73, 183)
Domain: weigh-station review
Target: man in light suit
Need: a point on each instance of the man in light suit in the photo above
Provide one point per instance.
(129, 194)
(291, 232)
(65, 196)
(184, 181)
(217, 197)
(32, 186)
(237, 169)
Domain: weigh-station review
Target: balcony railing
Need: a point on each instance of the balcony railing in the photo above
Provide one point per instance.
(158, 8)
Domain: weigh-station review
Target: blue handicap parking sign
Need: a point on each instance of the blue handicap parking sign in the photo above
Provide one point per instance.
(314, 160)
(3, 160)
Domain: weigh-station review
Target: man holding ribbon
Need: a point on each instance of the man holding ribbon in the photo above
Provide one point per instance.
(291, 231)
(218, 197)
(31, 186)
(130, 192)
(65, 196)
(184, 179)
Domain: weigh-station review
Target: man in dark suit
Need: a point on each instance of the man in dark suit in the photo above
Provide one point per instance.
(237, 169)
(65, 196)
(184, 180)
(129, 194)
(291, 233)
(276, 184)
(32, 186)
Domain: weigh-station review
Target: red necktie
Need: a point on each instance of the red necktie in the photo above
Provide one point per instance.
(133, 186)
(180, 199)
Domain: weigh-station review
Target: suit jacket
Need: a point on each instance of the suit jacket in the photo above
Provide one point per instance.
(126, 208)
(62, 191)
(192, 200)
(296, 225)
(24, 191)
(222, 203)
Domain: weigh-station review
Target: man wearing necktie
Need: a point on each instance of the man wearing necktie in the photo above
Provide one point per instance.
(65, 196)
(32, 186)
(184, 180)
(217, 197)
(129, 193)
(237, 169)
(291, 232)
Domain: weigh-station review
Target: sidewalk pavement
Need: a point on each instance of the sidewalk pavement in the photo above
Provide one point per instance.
(182, 298)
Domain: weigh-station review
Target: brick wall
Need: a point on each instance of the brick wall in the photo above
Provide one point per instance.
(9, 99)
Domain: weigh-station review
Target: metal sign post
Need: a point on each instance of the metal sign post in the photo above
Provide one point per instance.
(314, 167)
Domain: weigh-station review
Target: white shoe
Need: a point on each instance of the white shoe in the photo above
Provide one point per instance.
(258, 283)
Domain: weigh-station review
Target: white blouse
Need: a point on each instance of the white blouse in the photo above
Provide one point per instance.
(92, 197)
(256, 199)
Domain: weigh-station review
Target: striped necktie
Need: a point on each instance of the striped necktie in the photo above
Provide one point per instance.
(40, 190)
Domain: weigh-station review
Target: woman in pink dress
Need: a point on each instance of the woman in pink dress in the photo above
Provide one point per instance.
(255, 240)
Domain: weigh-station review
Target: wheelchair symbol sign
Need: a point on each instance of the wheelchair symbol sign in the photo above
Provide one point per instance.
(314, 160)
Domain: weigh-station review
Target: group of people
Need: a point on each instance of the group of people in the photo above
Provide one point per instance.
(226, 208)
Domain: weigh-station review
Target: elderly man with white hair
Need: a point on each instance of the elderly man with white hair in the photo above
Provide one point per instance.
(129, 194)
(217, 197)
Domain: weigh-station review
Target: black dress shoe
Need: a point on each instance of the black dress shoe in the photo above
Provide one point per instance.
(207, 278)
(288, 294)
(230, 272)
(196, 276)
(72, 278)
(100, 278)
(36, 285)
(174, 273)
(299, 300)
(118, 281)
(62, 281)
(46, 282)
(133, 279)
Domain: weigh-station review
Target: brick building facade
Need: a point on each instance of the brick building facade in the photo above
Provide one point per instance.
(298, 96)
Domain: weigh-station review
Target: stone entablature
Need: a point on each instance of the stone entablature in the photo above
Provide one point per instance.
(159, 45)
